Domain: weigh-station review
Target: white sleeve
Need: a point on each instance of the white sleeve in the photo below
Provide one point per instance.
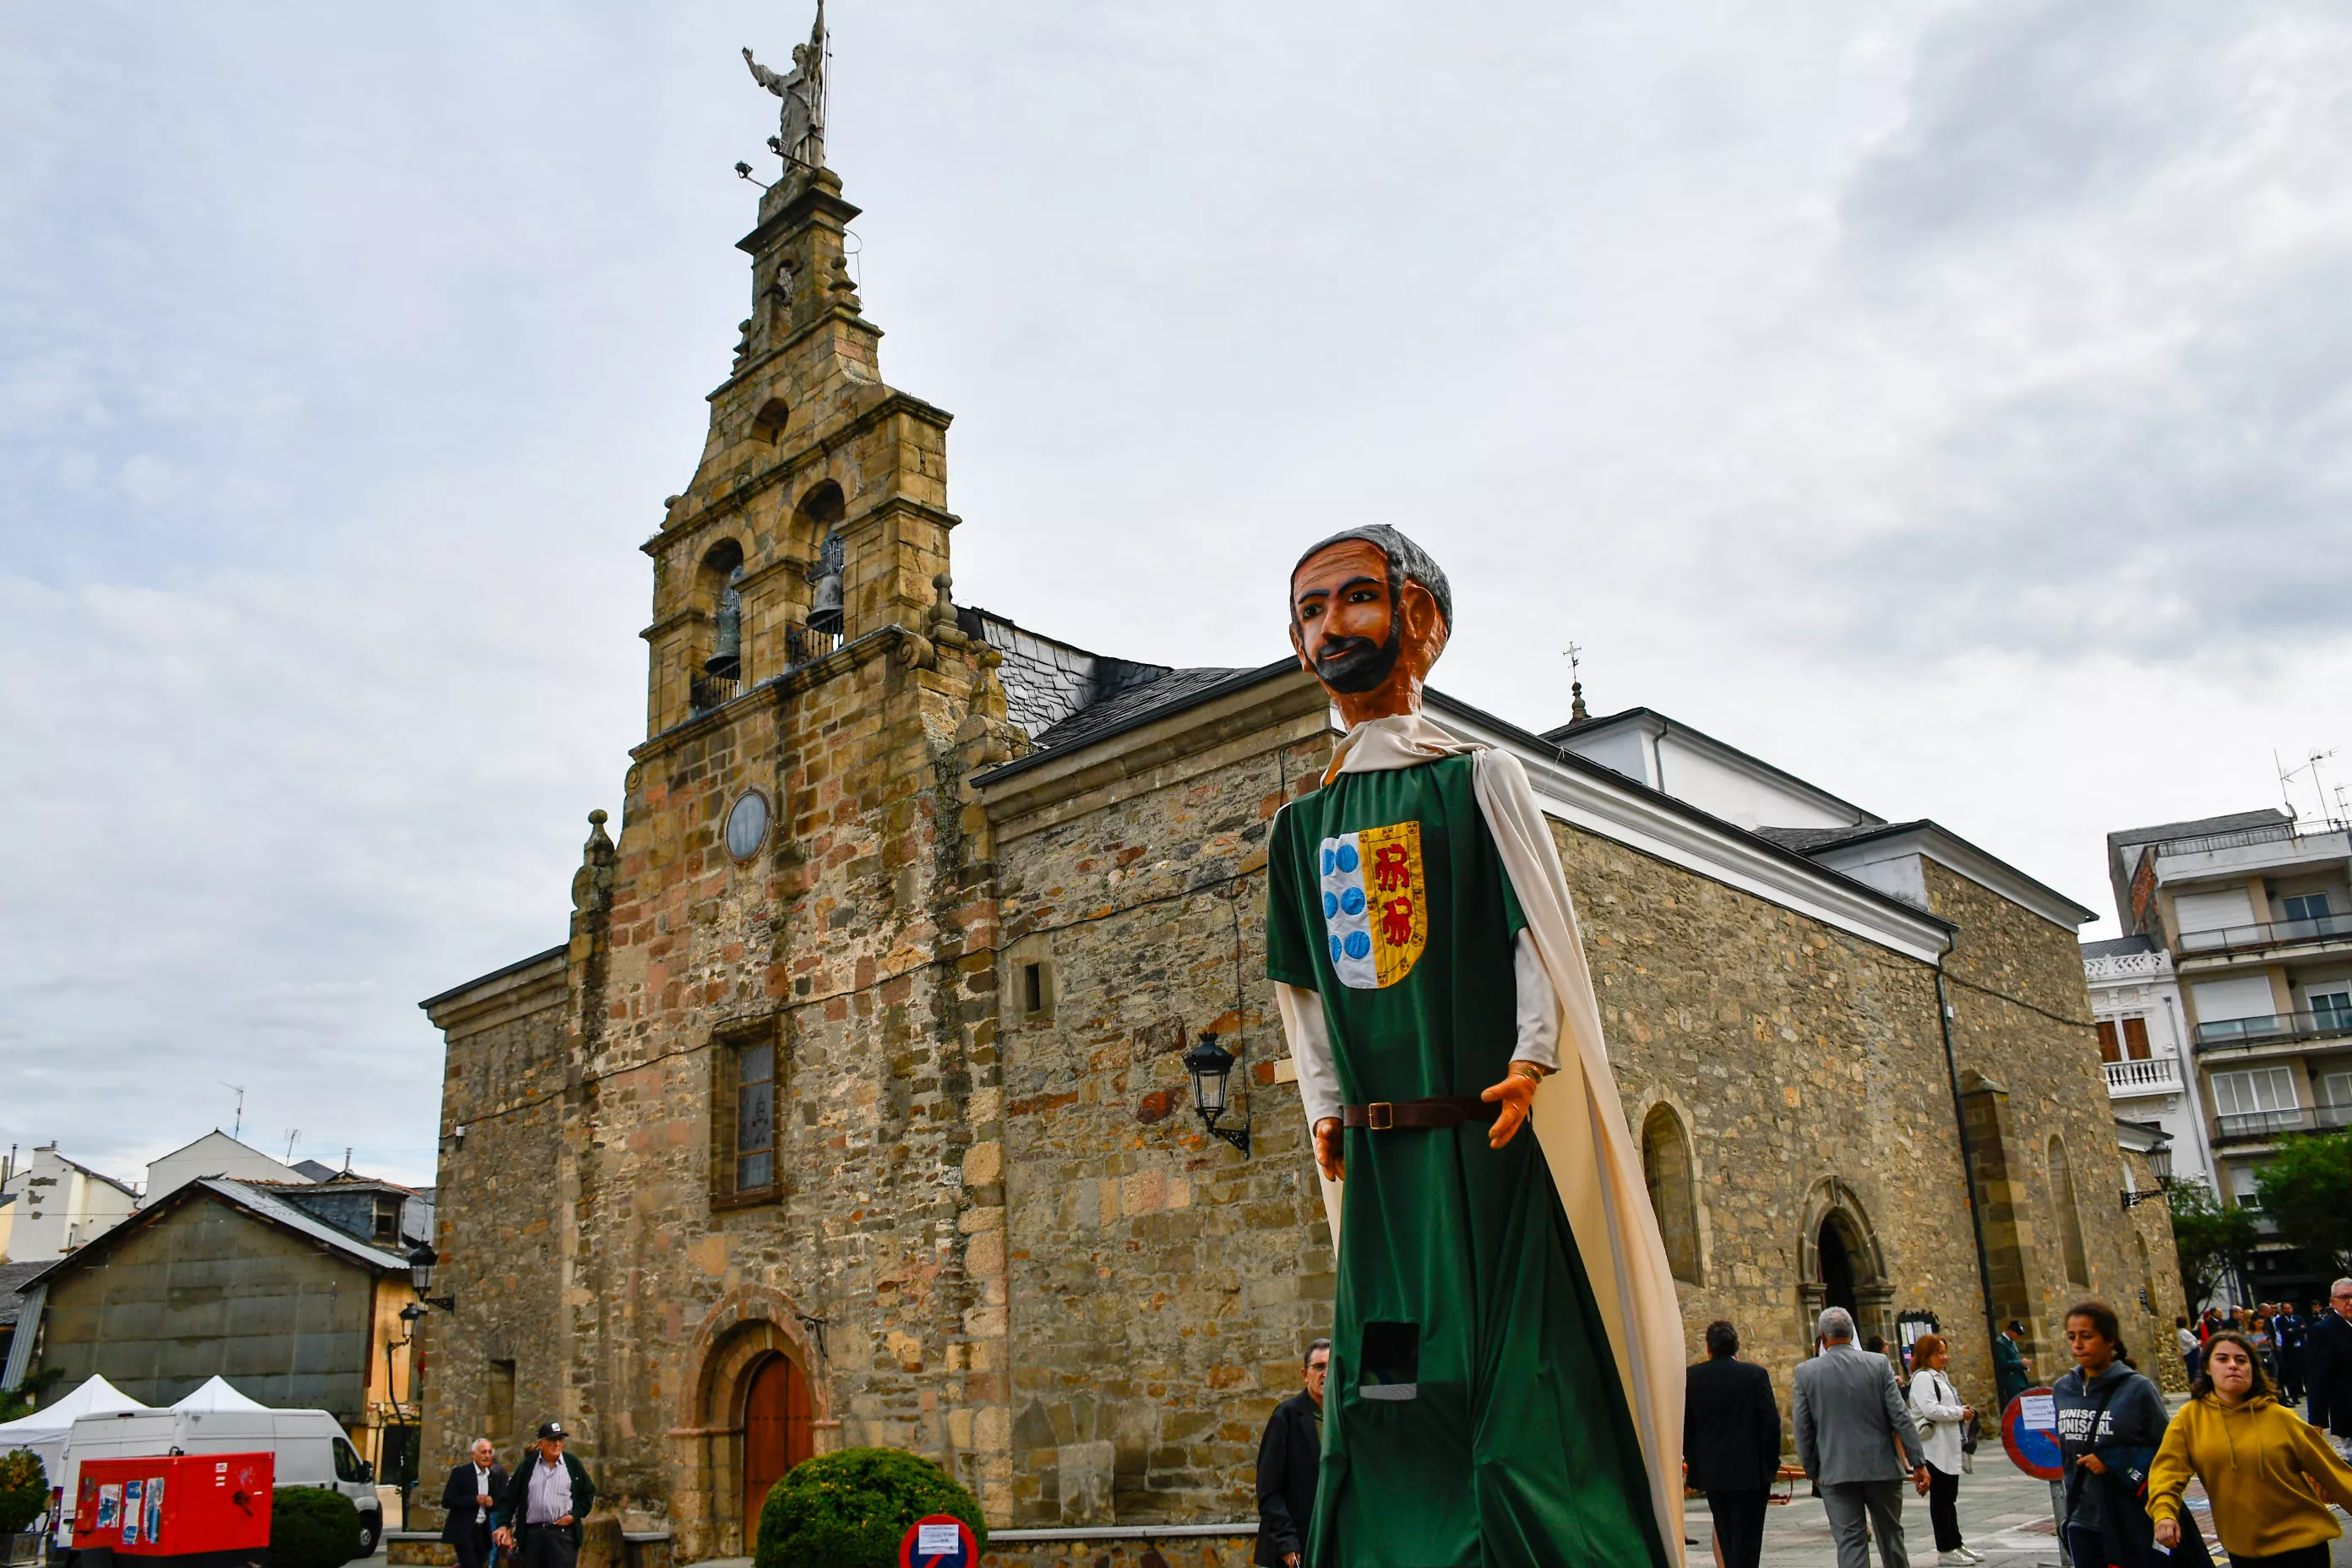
(1310, 1050)
(1539, 1009)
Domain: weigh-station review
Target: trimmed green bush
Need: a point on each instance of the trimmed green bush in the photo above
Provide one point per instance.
(851, 1509)
(310, 1527)
(24, 1490)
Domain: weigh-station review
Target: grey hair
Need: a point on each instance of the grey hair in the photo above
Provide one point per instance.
(1308, 1359)
(1408, 562)
(1834, 1323)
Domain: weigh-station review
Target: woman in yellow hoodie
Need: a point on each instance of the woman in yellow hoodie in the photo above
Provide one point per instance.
(2270, 1474)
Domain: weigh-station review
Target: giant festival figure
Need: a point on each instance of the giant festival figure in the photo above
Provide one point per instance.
(1505, 1383)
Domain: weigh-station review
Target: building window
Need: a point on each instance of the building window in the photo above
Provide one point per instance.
(2124, 1039)
(1666, 1171)
(755, 1115)
(2332, 1010)
(2259, 1092)
(2070, 1215)
(2335, 1090)
(2307, 907)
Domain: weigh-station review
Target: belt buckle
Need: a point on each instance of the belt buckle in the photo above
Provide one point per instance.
(1380, 1115)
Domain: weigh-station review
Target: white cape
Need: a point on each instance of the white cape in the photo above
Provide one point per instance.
(1579, 1119)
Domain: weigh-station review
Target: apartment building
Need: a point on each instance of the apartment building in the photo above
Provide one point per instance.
(2254, 915)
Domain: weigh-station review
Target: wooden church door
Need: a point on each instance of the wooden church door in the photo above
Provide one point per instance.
(776, 1436)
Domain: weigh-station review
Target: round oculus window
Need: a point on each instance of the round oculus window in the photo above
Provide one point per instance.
(747, 825)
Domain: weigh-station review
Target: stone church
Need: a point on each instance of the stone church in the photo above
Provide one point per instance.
(854, 1110)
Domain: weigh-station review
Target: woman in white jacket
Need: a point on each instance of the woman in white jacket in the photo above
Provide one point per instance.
(1942, 1419)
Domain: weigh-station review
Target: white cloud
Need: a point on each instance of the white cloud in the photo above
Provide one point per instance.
(1939, 400)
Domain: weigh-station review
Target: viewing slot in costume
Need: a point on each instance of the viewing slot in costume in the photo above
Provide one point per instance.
(1505, 1332)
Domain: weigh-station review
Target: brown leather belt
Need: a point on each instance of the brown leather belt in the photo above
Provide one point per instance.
(1447, 1110)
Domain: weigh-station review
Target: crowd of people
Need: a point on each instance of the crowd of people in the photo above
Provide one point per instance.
(1862, 1434)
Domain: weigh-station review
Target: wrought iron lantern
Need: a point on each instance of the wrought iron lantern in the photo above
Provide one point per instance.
(421, 1264)
(1211, 1067)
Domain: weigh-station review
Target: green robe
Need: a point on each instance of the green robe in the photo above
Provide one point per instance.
(1475, 1417)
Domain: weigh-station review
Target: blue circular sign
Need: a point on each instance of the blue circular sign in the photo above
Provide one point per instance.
(938, 1540)
(2029, 1430)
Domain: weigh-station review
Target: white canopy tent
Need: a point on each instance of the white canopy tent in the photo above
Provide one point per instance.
(44, 1431)
(217, 1394)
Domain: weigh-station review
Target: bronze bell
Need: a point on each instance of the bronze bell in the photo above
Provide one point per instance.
(725, 660)
(824, 600)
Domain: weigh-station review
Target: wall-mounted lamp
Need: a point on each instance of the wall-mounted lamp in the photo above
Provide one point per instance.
(1212, 1066)
(421, 1264)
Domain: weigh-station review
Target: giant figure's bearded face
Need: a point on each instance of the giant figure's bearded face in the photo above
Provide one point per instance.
(1370, 644)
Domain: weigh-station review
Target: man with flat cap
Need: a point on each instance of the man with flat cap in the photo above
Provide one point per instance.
(547, 1497)
(1506, 1379)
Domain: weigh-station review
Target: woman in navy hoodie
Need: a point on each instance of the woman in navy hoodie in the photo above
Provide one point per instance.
(2110, 1422)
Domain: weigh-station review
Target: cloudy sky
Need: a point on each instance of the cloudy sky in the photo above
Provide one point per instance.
(1946, 401)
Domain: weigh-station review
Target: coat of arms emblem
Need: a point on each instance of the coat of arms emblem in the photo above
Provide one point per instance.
(1375, 904)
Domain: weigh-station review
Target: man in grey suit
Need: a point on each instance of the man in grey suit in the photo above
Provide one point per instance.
(1851, 1423)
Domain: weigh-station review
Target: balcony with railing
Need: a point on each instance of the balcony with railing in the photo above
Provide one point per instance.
(2258, 1126)
(2276, 1028)
(2153, 1075)
(2329, 929)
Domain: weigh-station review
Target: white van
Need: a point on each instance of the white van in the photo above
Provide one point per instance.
(311, 1448)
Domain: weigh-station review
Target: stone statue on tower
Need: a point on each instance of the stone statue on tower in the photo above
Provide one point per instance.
(800, 140)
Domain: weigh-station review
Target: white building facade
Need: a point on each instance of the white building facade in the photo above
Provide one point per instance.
(56, 1206)
(2143, 1048)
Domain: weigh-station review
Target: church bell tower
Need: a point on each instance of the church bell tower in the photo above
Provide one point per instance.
(780, 1023)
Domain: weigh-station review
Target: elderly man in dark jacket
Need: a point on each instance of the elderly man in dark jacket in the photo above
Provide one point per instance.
(1289, 1460)
(1731, 1444)
(2327, 1366)
(472, 1491)
(539, 1516)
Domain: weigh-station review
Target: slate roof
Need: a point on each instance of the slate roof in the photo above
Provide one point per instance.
(1809, 840)
(2235, 822)
(256, 1200)
(2119, 946)
(1131, 706)
(1046, 680)
(14, 1277)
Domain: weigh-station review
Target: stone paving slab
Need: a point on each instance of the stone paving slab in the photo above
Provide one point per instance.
(2004, 1513)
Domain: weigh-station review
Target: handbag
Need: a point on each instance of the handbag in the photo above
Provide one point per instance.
(1970, 1434)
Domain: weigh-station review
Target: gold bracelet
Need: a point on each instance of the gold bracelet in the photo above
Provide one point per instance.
(1528, 1071)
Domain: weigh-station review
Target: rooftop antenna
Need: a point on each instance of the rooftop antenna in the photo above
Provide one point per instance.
(238, 1126)
(1576, 713)
(293, 1136)
(2318, 782)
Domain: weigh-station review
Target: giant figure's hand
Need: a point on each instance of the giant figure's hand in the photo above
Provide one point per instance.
(1517, 1094)
(1328, 1158)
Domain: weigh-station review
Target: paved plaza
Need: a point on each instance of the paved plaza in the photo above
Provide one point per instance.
(2004, 1514)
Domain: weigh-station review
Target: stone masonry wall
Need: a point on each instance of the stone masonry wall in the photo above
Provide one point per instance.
(2022, 1019)
(1163, 1287)
(503, 1080)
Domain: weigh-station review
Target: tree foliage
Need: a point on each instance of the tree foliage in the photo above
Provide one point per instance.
(312, 1527)
(2306, 1187)
(850, 1509)
(22, 1400)
(24, 1490)
(2214, 1241)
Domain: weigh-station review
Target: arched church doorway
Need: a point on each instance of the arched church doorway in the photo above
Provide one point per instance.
(1841, 1264)
(1836, 1266)
(776, 1434)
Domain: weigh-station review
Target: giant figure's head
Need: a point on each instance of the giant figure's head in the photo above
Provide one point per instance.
(1369, 613)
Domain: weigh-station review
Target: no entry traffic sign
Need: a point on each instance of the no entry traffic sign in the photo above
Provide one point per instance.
(940, 1541)
(2029, 1430)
